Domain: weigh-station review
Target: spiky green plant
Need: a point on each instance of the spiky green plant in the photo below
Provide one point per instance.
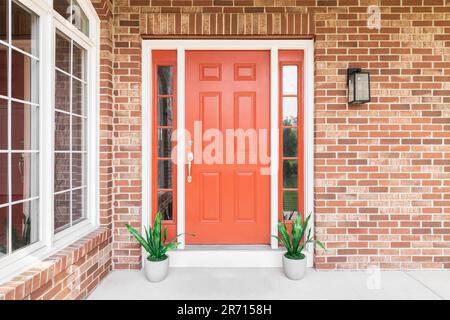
(295, 241)
(155, 241)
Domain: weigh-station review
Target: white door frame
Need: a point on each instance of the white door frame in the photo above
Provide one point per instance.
(217, 44)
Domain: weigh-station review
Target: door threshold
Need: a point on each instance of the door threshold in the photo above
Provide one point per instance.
(227, 247)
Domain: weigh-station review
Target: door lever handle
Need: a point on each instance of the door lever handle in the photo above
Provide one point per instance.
(190, 158)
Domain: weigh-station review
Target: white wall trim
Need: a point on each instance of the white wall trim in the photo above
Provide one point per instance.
(217, 44)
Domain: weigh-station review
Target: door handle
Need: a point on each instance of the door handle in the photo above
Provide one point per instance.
(190, 158)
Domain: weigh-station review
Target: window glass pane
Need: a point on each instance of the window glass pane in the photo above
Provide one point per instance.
(77, 134)
(62, 211)
(165, 112)
(164, 143)
(24, 224)
(165, 80)
(62, 171)
(78, 62)
(3, 20)
(4, 227)
(62, 91)
(165, 204)
(24, 77)
(79, 18)
(290, 142)
(24, 176)
(3, 124)
(78, 166)
(24, 29)
(4, 178)
(290, 80)
(290, 110)
(62, 53)
(290, 205)
(25, 131)
(78, 205)
(290, 178)
(3, 71)
(78, 95)
(165, 174)
(62, 131)
(62, 7)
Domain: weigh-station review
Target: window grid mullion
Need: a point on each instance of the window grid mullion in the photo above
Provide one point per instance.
(70, 133)
(9, 89)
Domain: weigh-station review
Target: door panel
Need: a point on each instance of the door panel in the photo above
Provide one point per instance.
(228, 200)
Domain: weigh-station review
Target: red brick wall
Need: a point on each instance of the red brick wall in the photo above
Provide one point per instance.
(382, 193)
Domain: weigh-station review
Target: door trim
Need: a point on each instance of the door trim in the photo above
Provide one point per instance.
(217, 44)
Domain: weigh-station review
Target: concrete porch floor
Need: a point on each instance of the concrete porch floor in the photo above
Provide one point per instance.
(270, 283)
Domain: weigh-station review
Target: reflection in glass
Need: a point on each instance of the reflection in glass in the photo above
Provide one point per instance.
(165, 204)
(165, 174)
(290, 111)
(62, 131)
(165, 112)
(25, 132)
(61, 6)
(62, 210)
(72, 12)
(78, 62)
(62, 171)
(164, 143)
(77, 170)
(290, 178)
(290, 80)
(62, 91)
(4, 178)
(24, 224)
(77, 133)
(3, 70)
(165, 80)
(78, 95)
(3, 124)
(290, 142)
(24, 176)
(4, 227)
(62, 53)
(290, 205)
(24, 33)
(24, 76)
(78, 202)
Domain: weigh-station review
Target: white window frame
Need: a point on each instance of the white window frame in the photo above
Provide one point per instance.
(274, 46)
(49, 243)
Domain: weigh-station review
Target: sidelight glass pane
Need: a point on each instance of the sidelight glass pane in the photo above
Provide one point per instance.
(3, 124)
(290, 142)
(24, 77)
(77, 133)
(165, 112)
(290, 80)
(62, 91)
(290, 205)
(24, 224)
(62, 53)
(24, 176)
(62, 131)
(4, 178)
(4, 227)
(78, 97)
(290, 177)
(78, 205)
(165, 204)
(290, 111)
(25, 131)
(3, 70)
(165, 80)
(62, 211)
(165, 174)
(62, 171)
(4, 20)
(24, 33)
(78, 165)
(164, 143)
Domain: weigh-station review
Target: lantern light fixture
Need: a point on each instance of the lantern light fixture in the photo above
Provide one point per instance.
(358, 86)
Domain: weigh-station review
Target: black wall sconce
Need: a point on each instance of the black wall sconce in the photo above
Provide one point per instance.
(358, 86)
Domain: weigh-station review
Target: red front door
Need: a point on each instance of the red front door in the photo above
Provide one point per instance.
(228, 197)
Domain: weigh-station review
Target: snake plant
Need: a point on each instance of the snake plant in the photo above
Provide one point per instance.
(155, 241)
(295, 241)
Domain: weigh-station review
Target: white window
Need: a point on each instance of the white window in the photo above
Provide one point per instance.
(49, 55)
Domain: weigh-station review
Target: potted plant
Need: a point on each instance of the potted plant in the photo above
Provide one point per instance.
(294, 261)
(157, 263)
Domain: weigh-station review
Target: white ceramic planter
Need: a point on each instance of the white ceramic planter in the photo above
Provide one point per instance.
(156, 271)
(294, 269)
